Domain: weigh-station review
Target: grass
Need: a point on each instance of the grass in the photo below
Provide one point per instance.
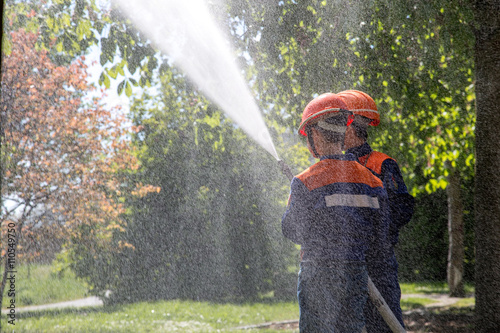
(162, 316)
(430, 288)
(38, 284)
(42, 286)
(168, 316)
(465, 303)
(412, 303)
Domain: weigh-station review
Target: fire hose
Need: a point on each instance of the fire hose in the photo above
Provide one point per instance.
(373, 292)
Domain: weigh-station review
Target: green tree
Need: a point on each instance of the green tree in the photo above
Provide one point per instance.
(417, 59)
(68, 29)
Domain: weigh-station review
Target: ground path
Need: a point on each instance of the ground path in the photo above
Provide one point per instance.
(440, 300)
(91, 301)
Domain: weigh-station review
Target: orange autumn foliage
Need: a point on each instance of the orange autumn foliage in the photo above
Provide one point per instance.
(63, 153)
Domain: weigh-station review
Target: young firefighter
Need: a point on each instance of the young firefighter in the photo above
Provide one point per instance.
(383, 273)
(337, 212)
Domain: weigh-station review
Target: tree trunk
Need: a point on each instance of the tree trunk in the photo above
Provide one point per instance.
(487, 187)
(456, 236)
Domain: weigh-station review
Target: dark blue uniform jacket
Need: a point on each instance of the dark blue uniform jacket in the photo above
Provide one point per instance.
(338, 211)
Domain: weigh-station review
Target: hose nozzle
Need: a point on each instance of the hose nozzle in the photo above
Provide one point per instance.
(285, 169)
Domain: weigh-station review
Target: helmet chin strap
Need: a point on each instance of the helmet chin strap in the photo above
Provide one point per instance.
(350, 119)
(311, 141)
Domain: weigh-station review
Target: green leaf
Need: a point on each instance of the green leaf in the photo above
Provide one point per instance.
(50, 22)
(469, 160)
(128, 89)
(213, 121)
(120, 68)
(107, 82)
(120, 87)
(103, 58)
(112, 72)
(66, 20)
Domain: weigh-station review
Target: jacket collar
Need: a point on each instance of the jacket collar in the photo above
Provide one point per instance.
(343, 157)
(359, 151)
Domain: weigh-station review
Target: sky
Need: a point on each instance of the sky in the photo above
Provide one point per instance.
(112, 99)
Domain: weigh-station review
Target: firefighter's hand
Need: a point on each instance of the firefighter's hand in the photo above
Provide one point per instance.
(285, 169)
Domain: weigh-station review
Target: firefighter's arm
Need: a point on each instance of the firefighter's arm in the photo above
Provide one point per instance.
(401, 202)
(294, 223)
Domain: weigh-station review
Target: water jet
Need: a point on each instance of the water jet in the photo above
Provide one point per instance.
(186, 32)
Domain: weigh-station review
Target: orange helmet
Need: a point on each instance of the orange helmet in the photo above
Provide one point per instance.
(361, 104)
(321, 105)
